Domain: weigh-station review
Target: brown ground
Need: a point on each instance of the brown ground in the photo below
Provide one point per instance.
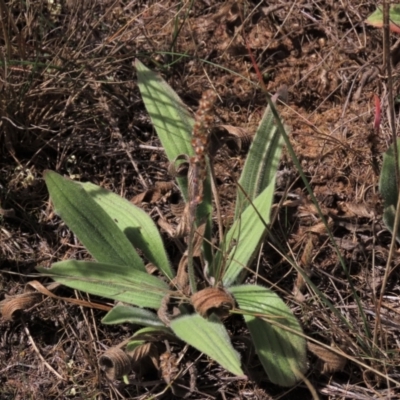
(70, 103)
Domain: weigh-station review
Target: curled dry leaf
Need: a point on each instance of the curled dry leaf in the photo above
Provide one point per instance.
(312, 242)
(305, 262)
(166, 226)
(154, 194)
(178, 209)
(183, 227)
(320, 228)
(13, 305)
(181, 281)
(168, 309)
(235, 138)
(212, 300)
(33, 292)
(115, 363)
(332, 361)
(352, 210)
(228, 12)
(151, 268)
(179, 170)
(198, 239)
(142, 354)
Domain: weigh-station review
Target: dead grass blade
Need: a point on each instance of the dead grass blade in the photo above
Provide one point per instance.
(83, 303)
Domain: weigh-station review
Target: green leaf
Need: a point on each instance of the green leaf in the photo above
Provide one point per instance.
(135, 224)
(170, 117)
(116, 282)
(122, 314)
(134, 344)
(388, 187)
(174, 125)
(258, 183)
(90, 223)
(210, 337)
(245, 236)
(376, 18)
(153, 334)
(387, 181)
(261, 163)
(282, 352)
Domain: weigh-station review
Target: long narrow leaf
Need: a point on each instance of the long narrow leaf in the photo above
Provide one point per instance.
(169, 115)
(282, 352)
(257, 184)
(116, 282)
(210, 337)
(246, 234)
(174, 125)
(135, 224)
(261, 163)
(90, 223)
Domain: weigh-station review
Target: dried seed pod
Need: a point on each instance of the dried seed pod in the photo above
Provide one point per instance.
(332, 361)
(179, 169)
(115, 363)
(169, 366)
(200, 142)
(212, 300)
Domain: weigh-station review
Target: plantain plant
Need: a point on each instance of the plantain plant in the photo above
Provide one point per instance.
(111, 229)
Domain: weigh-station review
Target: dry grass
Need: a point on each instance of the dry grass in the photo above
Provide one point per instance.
(69, 102)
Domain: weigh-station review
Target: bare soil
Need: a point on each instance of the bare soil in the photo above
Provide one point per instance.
(69, 102)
